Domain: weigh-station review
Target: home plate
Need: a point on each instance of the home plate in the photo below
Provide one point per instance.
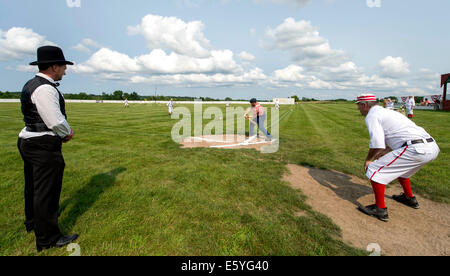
(227, 142)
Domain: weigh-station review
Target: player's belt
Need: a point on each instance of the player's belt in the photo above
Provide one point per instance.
(415, 142)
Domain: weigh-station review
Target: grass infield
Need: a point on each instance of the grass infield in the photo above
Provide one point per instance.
(130, 190)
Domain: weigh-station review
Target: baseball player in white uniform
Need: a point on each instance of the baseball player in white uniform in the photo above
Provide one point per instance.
(170, 106)
(126, 103)
(277, 104)
(410, 104)
(398, 150)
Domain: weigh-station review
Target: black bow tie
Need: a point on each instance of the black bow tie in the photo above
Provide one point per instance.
(57, 84)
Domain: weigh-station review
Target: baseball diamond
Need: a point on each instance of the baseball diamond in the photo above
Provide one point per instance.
(133, 146)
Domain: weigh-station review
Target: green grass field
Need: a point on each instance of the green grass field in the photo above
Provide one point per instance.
(130, 190)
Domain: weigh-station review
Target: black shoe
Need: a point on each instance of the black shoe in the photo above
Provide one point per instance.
(64, 240)
(374, 211)
(410, 202)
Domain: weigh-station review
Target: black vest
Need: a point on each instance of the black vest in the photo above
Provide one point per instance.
(33, 121)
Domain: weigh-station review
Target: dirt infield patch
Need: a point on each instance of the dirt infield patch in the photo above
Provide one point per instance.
(408, 233)
(226, 142)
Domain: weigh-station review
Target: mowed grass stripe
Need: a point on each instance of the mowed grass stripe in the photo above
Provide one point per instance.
(347, 141)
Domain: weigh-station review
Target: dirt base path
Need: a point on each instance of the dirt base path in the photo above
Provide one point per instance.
(408, 233)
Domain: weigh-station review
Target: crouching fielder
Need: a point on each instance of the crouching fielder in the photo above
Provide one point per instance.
(400, 148)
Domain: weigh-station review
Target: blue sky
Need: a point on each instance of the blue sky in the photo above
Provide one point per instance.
(238, 48)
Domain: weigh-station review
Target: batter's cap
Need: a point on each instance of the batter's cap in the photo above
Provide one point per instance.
(366, 98)
(253, 100)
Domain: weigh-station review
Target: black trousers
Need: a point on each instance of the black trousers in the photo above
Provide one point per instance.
(44, 168)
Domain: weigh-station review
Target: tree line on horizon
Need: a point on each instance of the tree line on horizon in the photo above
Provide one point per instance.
(119, 95)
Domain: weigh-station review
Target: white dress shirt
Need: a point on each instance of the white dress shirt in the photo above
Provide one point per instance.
(46, 99)
(387, 127)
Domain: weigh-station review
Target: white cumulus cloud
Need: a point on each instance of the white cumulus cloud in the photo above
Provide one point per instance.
(108, 61)
(394, 67)
(18, 43)
(86, 46)
(303, 41)
(185, 38)
(246, 56)
(179, 54)
(205, 80)
(318, 66)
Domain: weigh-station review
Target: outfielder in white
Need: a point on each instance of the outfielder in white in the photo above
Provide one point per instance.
(400, 149)
(277, 104)
(410, 104)
(170, 106)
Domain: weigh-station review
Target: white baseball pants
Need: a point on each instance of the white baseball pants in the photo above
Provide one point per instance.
(402, 163)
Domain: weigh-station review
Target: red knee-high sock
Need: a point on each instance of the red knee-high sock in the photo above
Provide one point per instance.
(379, 190)
(406, 184)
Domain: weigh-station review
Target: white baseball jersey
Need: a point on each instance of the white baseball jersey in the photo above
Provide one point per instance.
(170, 105)
(392, 129)
(410, 104)
(387, 127)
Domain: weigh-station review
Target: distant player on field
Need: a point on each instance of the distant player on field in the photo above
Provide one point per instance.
(400, 149)
(170, 106)
(126, 103)
(410, 104)
(277, 104)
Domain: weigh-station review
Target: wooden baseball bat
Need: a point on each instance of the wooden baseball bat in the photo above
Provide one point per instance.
(253, 122)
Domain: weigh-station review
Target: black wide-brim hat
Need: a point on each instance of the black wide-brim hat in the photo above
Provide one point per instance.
(50, 55)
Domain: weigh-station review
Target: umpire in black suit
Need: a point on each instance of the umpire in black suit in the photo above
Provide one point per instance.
(40, 143)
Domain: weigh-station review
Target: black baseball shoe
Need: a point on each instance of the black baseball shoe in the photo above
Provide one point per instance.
(374, 211)
(63, 241)
(410, 202)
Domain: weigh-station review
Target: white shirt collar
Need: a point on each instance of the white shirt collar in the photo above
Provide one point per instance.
(46, 77)
(374, 109)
